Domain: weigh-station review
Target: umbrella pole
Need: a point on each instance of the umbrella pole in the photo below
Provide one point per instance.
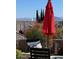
(47, 41)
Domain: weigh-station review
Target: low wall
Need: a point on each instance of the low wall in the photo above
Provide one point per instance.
(25, 55)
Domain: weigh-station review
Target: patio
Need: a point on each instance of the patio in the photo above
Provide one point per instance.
(47, 33)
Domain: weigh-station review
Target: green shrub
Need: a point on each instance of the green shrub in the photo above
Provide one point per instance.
(34, 33)
(18, 54)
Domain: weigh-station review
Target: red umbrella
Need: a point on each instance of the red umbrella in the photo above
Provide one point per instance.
(48, 22)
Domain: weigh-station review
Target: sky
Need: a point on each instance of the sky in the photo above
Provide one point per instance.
(27, 8)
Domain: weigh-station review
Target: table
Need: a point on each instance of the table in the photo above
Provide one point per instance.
(56, 57)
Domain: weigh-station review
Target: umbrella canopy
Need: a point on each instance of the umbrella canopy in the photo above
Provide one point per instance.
(48, 22)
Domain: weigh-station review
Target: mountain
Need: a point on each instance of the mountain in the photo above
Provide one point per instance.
(58, 19)
(23, 19)
(29, 19)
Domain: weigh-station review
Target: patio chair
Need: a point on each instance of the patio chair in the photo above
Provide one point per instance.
(39, 53)
(33, 43)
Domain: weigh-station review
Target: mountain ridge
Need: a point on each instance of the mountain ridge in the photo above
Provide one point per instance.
(30, 19)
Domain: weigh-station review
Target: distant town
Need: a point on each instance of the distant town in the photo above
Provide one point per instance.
(26, 23)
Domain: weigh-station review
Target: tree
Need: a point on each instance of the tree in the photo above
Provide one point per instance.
(59, 33)
(37, 16)
(41, 15)
(40, 18)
